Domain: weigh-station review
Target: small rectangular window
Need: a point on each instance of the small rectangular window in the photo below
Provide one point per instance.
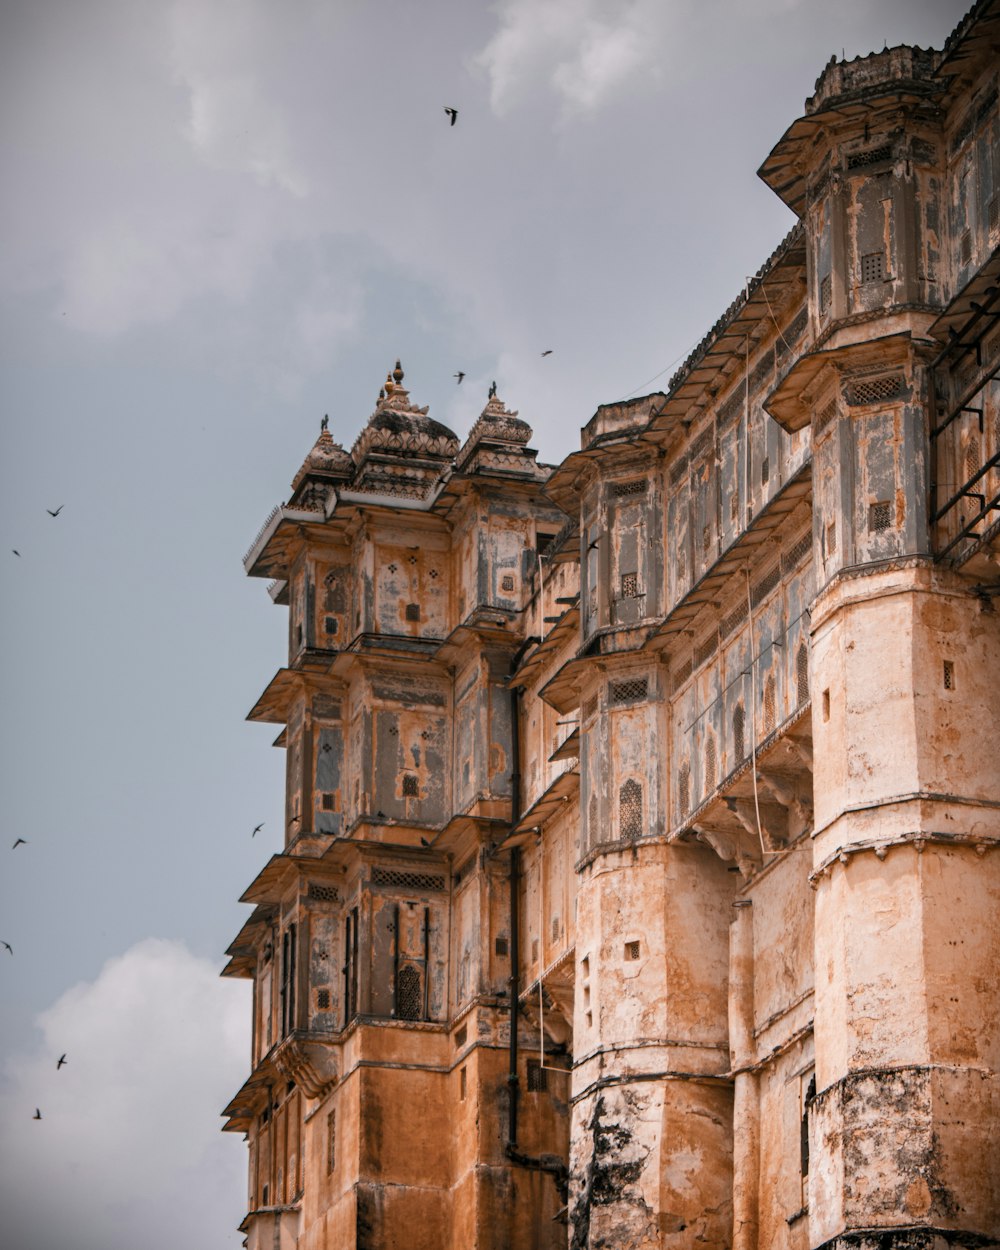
(631, 950)
(462, 1084)
(507, 583)
(462, 1036)
(826, 705)
(629, 586)
(322, 1000)
(331, 1141)
(413, 611)
(880, 516)
(326, 801)
(949, 675)
(872, 267)
(501, 948)
(537, 1082)
(411, 788)
(331, 624)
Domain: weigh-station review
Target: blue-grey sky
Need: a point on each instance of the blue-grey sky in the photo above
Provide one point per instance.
(222, 219)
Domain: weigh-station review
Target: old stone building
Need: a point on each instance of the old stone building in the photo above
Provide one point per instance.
(641, 882)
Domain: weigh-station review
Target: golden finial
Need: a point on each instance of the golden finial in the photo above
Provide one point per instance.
(397, 374)
(389, 385)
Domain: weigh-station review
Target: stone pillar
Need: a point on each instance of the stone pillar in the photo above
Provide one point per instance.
(651, 1161)
(746, 1108)
(904, 1126)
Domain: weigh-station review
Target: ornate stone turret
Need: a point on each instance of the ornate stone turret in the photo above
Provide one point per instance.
(498, 443)
(326, 465)
(401, 451)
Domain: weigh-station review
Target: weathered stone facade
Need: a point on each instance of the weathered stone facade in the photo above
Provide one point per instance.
(687, 748)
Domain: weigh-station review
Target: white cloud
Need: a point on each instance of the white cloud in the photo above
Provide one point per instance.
(584, 51)
(128, 1151)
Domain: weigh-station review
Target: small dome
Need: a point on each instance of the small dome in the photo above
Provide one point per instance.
(398, 428)
(326, 459)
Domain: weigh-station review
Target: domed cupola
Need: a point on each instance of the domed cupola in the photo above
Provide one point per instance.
(326, 465)
(401, 452)
(498, 442)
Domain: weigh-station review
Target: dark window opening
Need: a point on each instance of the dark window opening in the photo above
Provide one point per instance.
(331, 624)
(631, 950)
(880, 516)
(411, 788)
(804, 1125)
(350, 966)
(537, 1082)
(413, 611)
(288, 953)
(872, 267)
(630, 809)
(501, 947)
(409, 996)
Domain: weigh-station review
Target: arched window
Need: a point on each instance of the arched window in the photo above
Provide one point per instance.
(630, 810)
(408, 996)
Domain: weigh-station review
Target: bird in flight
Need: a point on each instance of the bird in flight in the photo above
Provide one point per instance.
(452, 113)
(37, 1115)
(9, 947)
(460, 375)
(547, 352)
(57, 511)
(19, 842)
(257, 829)
(16, 552)
(62, 1060)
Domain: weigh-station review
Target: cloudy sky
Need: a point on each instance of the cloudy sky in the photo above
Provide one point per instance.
(222, 219)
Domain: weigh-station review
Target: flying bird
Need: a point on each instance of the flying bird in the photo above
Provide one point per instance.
(547, 352)
(452, 113)
(37, 1115)
(62, 1060)
(57, 511)
(460, 375)
(257, 829)
(19, 842)
(9, 947)
(15, 551)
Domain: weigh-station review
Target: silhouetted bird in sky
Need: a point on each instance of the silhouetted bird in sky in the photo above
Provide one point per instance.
(37, 1115)
(460, 375)
(62, 1060)
(19, 842)
(15, 551)
(57, 511)
(9, 947)
(547, 352)
(452, 113)
(257, 830)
